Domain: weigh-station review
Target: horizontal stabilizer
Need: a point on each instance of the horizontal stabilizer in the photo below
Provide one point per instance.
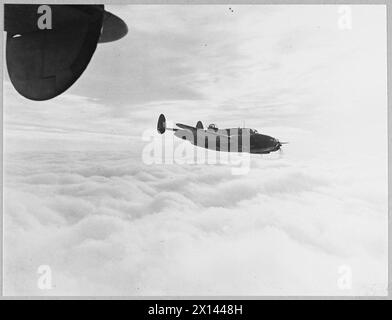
(184, 126)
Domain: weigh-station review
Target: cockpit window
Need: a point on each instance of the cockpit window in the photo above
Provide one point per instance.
(252, 131)
(212, 126)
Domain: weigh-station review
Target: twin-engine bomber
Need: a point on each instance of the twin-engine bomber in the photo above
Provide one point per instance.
(228, 140)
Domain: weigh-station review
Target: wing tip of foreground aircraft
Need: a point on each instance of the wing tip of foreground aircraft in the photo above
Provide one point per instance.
(114, 28)
(43, 63)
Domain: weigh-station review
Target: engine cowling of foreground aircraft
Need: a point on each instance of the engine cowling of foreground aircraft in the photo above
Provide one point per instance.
(49, 46)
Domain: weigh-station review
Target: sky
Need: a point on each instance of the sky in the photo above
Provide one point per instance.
(80, 197)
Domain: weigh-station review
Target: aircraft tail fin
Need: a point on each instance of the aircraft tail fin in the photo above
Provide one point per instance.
(199, 125)
(161, 127)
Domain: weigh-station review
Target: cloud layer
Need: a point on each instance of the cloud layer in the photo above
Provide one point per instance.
(113, 226)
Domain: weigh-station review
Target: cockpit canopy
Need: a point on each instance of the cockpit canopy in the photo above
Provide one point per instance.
(212, 126)
(253, 131)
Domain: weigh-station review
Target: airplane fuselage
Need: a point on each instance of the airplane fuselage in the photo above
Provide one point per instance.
(230, 140)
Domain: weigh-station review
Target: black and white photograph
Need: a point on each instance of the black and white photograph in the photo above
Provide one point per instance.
(189, 150)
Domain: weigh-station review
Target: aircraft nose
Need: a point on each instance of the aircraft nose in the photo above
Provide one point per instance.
(277, 144)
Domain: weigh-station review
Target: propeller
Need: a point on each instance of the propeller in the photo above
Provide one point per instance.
(280, 144)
